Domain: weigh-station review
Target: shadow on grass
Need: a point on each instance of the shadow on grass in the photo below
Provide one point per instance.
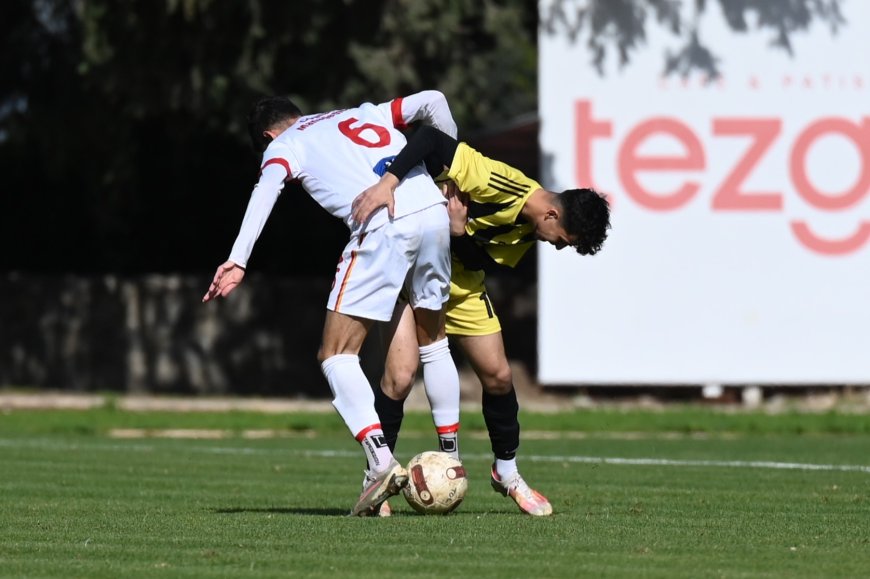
(344, 512)
(282, 511)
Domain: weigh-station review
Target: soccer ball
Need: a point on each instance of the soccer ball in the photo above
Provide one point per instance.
(436, 483)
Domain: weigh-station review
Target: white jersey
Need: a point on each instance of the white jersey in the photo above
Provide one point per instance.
(337, 155)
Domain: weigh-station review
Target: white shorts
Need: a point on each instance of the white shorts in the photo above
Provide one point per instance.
(374, 267)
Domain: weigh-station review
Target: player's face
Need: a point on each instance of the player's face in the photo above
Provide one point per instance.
(551, 231)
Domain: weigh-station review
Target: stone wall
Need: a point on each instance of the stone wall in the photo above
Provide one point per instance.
(152, 334)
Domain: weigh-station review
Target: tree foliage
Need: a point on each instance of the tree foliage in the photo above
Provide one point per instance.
(621, 25)
(122, 137)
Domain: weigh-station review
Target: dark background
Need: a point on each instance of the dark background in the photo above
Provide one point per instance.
(124, 146)
(125, 166)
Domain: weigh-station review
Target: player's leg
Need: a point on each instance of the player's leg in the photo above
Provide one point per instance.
(399, 339)
(429, 287)
(367, 285)
(487, 357)
(440, 378)
(354, 400)
(352, 394)
(472, 322)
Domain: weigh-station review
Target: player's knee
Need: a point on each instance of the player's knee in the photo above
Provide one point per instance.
(397, 382)
(498, 381)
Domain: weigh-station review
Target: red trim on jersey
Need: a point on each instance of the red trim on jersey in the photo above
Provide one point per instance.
(447, 429)
(362, 433)
(396, 108)
(278, 161)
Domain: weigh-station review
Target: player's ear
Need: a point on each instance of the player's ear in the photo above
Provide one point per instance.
(552, 213)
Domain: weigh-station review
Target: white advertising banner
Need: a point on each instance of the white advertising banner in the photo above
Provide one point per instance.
(740, 243)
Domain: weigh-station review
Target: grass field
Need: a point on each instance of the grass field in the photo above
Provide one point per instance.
(686, 492)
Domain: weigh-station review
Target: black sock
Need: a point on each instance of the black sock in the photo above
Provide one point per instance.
(391, 412)
(500, 414)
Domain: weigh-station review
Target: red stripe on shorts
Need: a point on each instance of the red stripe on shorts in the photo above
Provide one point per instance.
(345, 279)
(347, 273)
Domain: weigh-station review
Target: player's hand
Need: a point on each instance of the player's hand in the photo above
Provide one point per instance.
(378, 195)
(226, 278)
(457, 208)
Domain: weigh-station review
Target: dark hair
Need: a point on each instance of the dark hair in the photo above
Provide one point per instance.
(266, 114)
(585, 214)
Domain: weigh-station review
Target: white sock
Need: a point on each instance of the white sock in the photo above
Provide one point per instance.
(377, 450)
(505, 468)
(448, 440)
(355, 402)
(441, 381)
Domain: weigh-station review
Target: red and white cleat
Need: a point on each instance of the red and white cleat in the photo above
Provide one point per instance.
(527, 499)
(378, 487)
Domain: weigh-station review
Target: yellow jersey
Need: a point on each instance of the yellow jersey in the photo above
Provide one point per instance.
(497, 193)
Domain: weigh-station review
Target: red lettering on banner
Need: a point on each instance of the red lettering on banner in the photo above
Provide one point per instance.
(586, 130)
(859, 135)
(630, 162)
(843, 246)
(729, 197)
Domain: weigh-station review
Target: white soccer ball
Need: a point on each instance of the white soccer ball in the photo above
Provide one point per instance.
(436, 483)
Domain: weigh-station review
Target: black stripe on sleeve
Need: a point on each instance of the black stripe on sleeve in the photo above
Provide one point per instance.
(492, 185)
(496, 179)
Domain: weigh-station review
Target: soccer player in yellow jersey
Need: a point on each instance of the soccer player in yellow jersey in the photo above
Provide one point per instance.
(496, 214)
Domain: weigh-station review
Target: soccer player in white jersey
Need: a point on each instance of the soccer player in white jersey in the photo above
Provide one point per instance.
(335, 155)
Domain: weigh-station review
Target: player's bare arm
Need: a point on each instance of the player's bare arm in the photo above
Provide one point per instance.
(227, 277)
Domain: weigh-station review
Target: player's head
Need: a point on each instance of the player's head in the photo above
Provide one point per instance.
(267, 115)
(577, 217)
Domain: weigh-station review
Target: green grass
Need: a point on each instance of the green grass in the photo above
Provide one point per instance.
(674, 419)
(75, 502)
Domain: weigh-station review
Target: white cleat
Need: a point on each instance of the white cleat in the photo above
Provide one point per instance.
(527, 499)
(378, 487)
